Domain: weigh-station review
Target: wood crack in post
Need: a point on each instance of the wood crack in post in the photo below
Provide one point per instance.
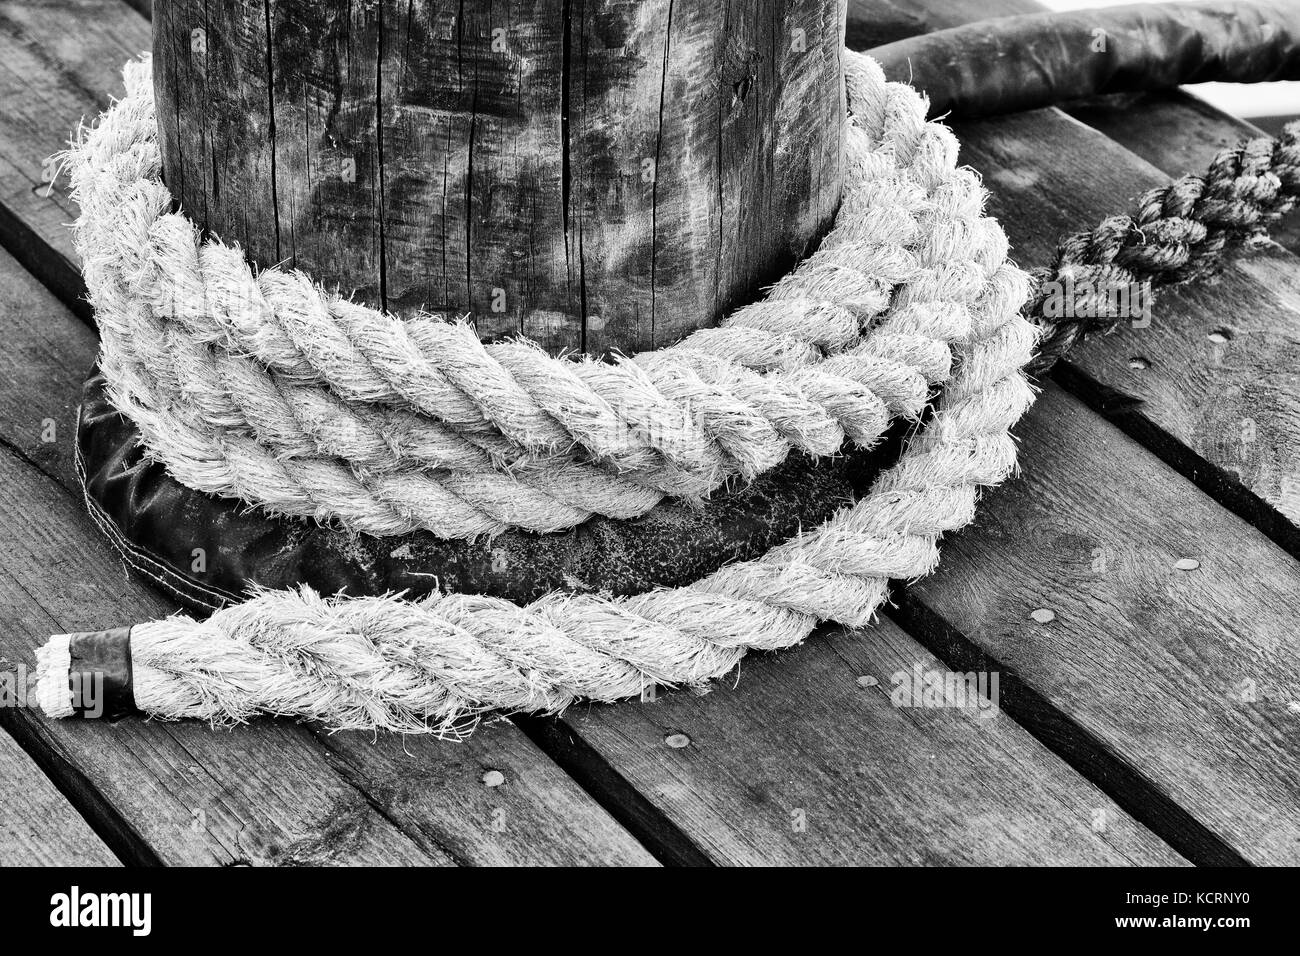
(469, 165)
(270, 112)
(719, 169)
(566, 171)
(379, 155)
(654, 182)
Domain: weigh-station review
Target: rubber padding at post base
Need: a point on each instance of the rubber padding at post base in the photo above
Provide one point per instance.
(206, 551)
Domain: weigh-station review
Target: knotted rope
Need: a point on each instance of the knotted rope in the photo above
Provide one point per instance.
(265, 387)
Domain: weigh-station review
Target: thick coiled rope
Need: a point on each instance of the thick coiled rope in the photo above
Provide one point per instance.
(264, 387)
(858, 334)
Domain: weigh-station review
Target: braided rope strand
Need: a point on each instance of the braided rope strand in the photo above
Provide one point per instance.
(1178, 233)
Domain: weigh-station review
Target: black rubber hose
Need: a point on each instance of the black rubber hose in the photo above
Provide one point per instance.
(1010, 64)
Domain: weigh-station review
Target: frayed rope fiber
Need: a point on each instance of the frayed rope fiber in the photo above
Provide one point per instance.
(264, 387)
(1178, 233)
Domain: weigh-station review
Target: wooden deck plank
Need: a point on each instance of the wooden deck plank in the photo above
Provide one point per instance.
(807, 759)
(47, 354)
(1188, 674)
(38, 827)
(492, 800)
(59, 59)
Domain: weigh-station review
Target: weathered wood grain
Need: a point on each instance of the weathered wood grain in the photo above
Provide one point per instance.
(597, 174)
(491, 801)
(1187, 671)
(38, 827)
(266, 793)
(810, 759)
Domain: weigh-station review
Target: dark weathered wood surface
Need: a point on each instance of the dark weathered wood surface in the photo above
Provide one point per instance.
(47, 86)
(38, 827)
(595, 175)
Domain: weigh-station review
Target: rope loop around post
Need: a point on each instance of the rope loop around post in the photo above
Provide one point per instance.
(266, 387)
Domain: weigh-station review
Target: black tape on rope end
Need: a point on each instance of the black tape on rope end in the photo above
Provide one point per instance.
(99, 674)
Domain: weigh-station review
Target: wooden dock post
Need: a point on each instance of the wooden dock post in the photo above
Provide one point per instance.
(595, 174)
